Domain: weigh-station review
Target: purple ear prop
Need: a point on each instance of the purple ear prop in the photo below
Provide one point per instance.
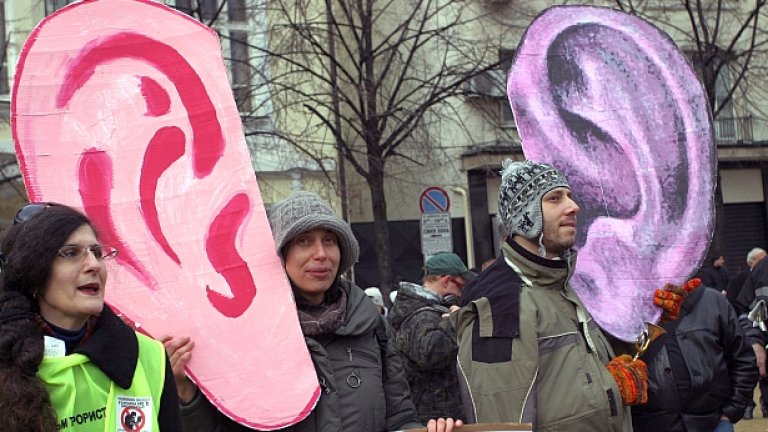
(610, 100)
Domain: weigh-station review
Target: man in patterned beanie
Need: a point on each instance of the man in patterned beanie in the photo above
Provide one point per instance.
(523, 187)
(528, 349)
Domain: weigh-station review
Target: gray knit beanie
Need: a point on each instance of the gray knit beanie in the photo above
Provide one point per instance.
(305, 211)
(523, 185)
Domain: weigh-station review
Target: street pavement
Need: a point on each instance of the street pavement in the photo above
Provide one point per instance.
(757, 424)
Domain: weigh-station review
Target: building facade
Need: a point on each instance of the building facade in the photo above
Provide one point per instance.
(457, 147)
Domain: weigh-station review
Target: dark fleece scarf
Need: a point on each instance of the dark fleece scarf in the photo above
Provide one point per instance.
(326, 317)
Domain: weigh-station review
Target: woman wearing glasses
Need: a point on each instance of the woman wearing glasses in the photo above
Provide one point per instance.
(66, 361)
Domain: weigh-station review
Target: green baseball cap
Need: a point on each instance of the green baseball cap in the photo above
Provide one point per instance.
(448, 263)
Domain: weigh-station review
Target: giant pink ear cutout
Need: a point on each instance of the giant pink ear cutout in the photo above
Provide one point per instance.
(610, 100)
(122, 108)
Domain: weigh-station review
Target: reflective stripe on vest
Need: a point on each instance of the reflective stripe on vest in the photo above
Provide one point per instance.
(86, 400)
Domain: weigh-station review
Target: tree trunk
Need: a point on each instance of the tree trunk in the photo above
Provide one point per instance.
(381, 231)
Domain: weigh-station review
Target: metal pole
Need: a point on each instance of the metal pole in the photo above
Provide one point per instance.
(467, 225)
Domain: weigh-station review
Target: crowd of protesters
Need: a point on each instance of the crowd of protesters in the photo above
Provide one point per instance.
(513, 343)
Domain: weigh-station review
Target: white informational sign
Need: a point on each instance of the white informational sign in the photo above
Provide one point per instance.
(436, 233)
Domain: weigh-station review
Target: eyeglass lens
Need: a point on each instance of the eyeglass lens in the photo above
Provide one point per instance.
(77, 252)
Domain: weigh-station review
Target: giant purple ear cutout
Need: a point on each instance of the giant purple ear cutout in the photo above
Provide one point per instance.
(611, 101)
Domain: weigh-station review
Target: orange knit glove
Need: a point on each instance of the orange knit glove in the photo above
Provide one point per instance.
(632, 378)
(671, 297)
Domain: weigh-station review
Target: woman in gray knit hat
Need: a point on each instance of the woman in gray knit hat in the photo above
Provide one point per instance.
(364, 388)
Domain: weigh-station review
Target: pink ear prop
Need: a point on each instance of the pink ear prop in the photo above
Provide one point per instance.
(129, 116)
(610, 100)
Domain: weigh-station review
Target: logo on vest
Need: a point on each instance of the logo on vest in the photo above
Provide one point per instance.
(134, 414)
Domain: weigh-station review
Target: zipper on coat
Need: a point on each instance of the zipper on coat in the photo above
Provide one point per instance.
(361, 353)
(354, 380)
(584, 334)
(583, 319)
(608, 351)
(612, 403)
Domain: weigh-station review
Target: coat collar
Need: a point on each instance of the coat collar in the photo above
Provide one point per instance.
(113, 348)
(543, 272)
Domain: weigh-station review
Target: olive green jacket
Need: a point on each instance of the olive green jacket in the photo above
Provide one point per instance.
(530, 352)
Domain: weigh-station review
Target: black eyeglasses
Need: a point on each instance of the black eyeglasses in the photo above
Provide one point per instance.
(30, 210)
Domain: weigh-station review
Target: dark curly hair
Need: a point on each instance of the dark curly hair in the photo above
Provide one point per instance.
(29, 250)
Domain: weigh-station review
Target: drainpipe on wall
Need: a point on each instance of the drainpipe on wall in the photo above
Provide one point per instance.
(467, 225)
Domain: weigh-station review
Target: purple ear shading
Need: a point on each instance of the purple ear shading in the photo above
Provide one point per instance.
(611, 101)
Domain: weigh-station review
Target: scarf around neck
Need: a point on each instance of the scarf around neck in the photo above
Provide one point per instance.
(326, 317)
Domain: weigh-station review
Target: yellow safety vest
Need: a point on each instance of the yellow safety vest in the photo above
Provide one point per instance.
(86, 400)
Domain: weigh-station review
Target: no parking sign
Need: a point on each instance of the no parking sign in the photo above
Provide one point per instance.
(434, 200)
(436, 235)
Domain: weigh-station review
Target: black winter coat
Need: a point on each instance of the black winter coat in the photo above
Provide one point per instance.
(754, 287)
(427, 345)
(351, 373)
(719, 362)
(714, 277)
(735, 284)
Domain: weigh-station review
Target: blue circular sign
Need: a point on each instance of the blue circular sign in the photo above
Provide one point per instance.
(434, 200)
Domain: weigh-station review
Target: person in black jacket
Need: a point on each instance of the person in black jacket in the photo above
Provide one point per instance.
(701, 372)
(754, 334)
(715, 275)
(754, 288)
(426, 339)
(352, 348)
(757, 339)
(737, 282)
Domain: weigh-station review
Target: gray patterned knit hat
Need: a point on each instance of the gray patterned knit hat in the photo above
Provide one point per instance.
(305, 211)
(523, 185)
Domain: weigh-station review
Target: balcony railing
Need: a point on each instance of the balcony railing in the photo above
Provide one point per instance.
(733, 130)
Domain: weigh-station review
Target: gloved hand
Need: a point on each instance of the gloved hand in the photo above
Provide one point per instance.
(671, 297)
(632, 378)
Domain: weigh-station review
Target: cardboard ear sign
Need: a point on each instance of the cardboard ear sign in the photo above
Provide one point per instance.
(122, 108)
(611, 101)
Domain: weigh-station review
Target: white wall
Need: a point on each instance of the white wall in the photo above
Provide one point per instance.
(741, 185)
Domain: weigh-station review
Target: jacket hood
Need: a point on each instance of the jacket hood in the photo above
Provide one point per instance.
(362, 315)
(410, 297)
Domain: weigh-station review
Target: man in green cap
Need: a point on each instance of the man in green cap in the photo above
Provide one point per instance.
(426, 340)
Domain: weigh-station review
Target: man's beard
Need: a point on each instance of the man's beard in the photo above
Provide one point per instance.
(554, 244)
